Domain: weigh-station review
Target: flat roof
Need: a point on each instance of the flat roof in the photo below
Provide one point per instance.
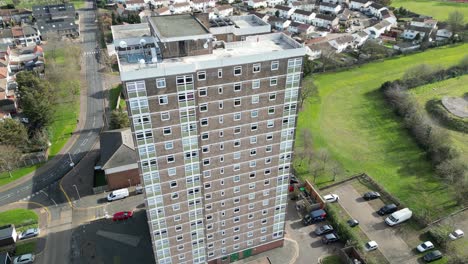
(178, 26)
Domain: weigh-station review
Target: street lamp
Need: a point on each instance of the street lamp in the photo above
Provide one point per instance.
(71, 160)
(76, 188)
(7, 167)
(129, 183)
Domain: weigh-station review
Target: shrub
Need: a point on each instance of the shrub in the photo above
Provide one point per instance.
(439, 234)
(438, 111)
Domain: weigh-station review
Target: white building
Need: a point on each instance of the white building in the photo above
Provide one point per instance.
(302, 16)
(342, 43)
(257, 3)
(135, 4)
(300, 28)
(327, 8)
(285, 11)
(443, 34)
(180, 8)
(163, 11)
(374, 9)
(359, 4)
(279, 23)
(424, 22)
(202, 5)
(378, 29)
(360, 38)
(325, 21)
(411, 32)
(223, 10)
(158, 3)
(273, 3)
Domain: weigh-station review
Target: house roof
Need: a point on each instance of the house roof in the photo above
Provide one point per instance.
(134, 2)
(282, 7)
(57, 24)
(274, 19)
(329, 5)
(117, 148)
(29, 30)
(162, 10)
(51, 9)
(325, 17)
(200, 1)
(295, 24)
(360, 1)
(6, 231)
(343, 39)
(419, 29)
(6, 33)
(3, 72)
(258, 1)
(17, 31)
(362, 34)
(223, 7)
(181, 4)
(259, 15)
(376, 6)
(303, 12)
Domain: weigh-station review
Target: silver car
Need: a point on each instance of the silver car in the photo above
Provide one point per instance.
(32, 232)
(23, 259)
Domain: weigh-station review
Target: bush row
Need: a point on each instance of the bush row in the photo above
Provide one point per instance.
(436, 108)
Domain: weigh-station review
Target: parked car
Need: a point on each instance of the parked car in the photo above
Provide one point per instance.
(371, 196)
(117, 194)
(352, 222)
(432, 256)
(456, 234)
(331, 198)
(31, 232)
(293, 179)
(314, 216)
(139, 189)
(122, 215)
(387, 209)
(330, 238)
(322, 230)
(399, 217)
(425, 246)
(26, 258)
(371, 246)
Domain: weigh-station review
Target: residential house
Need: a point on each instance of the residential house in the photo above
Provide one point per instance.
(336, 1)
(180, 8)
(317, 49)
(376, 30)
(273, 3)
(15, 15)
(179, 1)
(342, 43)
(284, 11)
(264, 17)
(424, 22)
(65, 27)
(389, 16)
(27, 58)
(360, 38)
(325, 21)
(26, 35)
(302, 16)
(279, 23)
(202, 5)
(223, 10)
(374, 10)
(307, 5)
(417, 33)
(145, 13)
(359, 4)
(52, 12)
(5, 16)
(135, 5)
(328, 8)
(119, 159)
(163, 11)
(6, 37)
(257, 3)
(344, 16)
(300, 28)
(158, 3)
(443, 34)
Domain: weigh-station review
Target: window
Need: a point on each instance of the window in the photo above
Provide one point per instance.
(221, 119)
(236, 219)
(268, 148)
(203, 107)
(237, 143)
(174, 196)
(253, 152)
(253, 140)
(236, 210)
(269, 137)
(252, 174)
(237, 102)
(274, 65)
(178, 228)
(203, 92)
(251, 207)
(204, 121)
(205, 136)
(237, 87)
(221, 171)
(255, 99)
(236, 189)
(254, 114)
(165, 116)
(237, 130)
(221, 159)
(170, 158)
(237, 155)
(163, 99)
(208, 196)
(206, 162)
(220, 73)
(161, 83)
(253, 126)
(168, 145)
(221, 146)
(237, 116)
(256, 67)
(237, 70)
(267, 171)
(206, 149)
(220, 105)
(167, 131)
(201, 76)
(252, 164)
(271, 110)
(273, 81)
(220, 90)
(221, 133)
(266, 192)
(236, 167)
(272, 96)
(175, 207)
(267, 160)
(207, 174)
(255, 84)
(270, 123)
(251, 196)
(171, 171)
(173, 184)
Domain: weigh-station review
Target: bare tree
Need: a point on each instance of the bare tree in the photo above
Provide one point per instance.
(315, 169)
(9, 158)
(335, 169)
(323, 156)
(308, 91)
(456, 21)
(307, 151)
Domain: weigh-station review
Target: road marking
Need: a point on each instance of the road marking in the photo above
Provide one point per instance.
(77, 151)
(84, 142)
(54, 202)
(42, 191)
(94, 121)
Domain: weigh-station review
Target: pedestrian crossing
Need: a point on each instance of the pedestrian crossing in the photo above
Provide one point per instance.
(87, 53)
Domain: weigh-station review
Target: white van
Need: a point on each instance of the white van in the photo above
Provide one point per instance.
(117, 194)
(399, 217)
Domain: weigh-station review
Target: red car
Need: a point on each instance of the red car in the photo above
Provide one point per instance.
(122, 215)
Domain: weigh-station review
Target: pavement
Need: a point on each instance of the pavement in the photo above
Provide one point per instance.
(392, 246)
(88, 129)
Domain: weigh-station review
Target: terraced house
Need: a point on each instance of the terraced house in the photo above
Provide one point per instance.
(213, 123)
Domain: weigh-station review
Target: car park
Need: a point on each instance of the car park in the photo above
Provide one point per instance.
(371, 196)
(352, 222)
(293, 179)
(399, 217)
(432, 256)
(322, 230)
(23, 259)
(371, 246)
(31, 232)
(456, 234)
(425, 246)
(387, 209)
(330, 238)
(331, 198)
(122, 215)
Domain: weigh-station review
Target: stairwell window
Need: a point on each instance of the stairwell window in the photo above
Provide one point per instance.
(237, 70)
(256, 67)
(161, 83)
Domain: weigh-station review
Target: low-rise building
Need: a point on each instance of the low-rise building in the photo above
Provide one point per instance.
(135, 4)
(325, 21)
(26, 35)
(443, 34)
(342, 43)
(273, 3)
(202, 5)
(52, 12)
(238, 28)
(360, 38)
(27, 58)
(412, 32)
(359, 4)
(424, 22)
(374, 9)
(300, 28)
(376, 30)
(158, 3)
(64, 27)
(8, 235)
(302, 16)
(223, 10)
(180, 8)
(279, 23)
(257, 3)
(163, 11)
(329, 8)
(284, 11)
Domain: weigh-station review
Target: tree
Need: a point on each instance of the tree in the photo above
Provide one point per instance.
(417, 74)
(308, 91)
(323, 156)
(13, 133)
(308, 66)
(456, 21)
(118, 119)
(9, 158)
(277, 13)
(307, 151)
(335, 169)
(315, 169)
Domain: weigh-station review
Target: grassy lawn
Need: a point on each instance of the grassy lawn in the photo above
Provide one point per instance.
(333, 259)
(16, 174)
(18, 217)
(352, 121)
(25, 248)
(114, 96)
(453, 87)
(29, 3)
(437, 9)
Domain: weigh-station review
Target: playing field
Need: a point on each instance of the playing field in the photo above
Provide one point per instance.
(437, 9)
(353, 122)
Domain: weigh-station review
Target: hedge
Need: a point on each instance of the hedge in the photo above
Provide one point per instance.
(450, 121)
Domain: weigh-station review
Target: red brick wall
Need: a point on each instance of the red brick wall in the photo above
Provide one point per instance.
(255, 251)
(120, 179)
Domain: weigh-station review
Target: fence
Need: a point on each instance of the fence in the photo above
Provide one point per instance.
(33, 158)
(100, 189)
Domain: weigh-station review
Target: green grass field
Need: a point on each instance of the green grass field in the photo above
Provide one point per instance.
(29, 3)
(16, 174)
(332, 259)
(437, 9)
(25, 248)
(18, 217)
(352, 121)
(453, 87)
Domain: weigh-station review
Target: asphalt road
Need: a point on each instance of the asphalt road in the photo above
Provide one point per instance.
(93, 122)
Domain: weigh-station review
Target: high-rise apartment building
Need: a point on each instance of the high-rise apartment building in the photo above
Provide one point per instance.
(213, 122)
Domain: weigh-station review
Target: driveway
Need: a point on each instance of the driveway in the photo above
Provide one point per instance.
(392, 246)
(310, 246)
